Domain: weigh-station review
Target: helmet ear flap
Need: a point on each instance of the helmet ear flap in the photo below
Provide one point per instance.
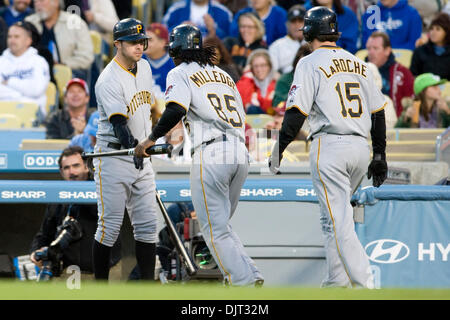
(307, 33)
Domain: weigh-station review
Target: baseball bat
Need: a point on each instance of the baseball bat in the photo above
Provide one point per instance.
(153, 150)
(190, 265)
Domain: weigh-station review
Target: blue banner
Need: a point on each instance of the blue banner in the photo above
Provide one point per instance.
(406, 234)
(29, 161)
(24, 191)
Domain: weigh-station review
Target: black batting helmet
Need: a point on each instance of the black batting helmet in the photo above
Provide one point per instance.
(184, 37)
(129, 29)
(319, 21)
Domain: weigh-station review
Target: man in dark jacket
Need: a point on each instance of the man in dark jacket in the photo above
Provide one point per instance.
(398, 81)
(73, 117)
(72, 168)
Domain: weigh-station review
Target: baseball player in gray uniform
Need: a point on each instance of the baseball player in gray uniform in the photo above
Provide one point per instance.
(124, 97)
(208, 100)
(336, 91)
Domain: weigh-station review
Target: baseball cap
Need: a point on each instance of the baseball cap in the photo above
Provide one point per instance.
(296, 12)
(78, 81)
(160, 30)
(92, 126)
(426, 80)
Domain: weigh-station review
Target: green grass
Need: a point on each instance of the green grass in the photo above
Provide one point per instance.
(16, 290)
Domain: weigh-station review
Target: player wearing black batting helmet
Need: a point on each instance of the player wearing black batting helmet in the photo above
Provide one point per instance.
(185, 45)
(336, 92)
(207, 100)
(130, 29)
(319, 21)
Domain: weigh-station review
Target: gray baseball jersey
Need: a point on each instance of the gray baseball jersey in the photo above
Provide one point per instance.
(214, 108)
(118, 183)
(211, 99)
(119, 91)
(336, 91)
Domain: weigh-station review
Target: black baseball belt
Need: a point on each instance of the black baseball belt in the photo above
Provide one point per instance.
(116, 146)
(214, 140)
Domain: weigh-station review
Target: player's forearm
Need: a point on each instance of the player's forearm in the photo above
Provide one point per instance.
(170, 117)
(378, 133)
(122, 131)
(292, 123)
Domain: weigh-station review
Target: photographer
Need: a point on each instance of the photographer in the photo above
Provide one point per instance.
(84, 223)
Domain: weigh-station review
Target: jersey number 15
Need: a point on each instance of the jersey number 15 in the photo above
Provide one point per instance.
(216, 103)
(350, 97)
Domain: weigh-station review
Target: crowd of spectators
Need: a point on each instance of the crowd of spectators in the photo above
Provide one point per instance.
(258, 42)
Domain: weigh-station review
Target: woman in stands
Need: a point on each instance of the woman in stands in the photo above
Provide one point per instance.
(429, 110)
(251, 33)
(434, 56)
(257, 86)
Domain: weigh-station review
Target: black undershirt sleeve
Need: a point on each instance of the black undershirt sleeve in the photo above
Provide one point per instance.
(122, 131)
(170, 117)
(378, 133)
(292, 123)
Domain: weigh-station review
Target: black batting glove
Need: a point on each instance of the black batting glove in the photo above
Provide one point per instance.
(378, 170)
(138, 161)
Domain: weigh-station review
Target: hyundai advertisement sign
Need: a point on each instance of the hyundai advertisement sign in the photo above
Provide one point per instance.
(409, 242)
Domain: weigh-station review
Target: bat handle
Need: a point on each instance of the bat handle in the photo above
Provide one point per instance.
(165, 148)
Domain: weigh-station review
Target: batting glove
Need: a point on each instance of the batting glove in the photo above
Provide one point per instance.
(378, 170)
(274, 163)
(138, 161)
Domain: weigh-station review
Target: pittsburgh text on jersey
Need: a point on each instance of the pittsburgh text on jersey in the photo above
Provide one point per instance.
(139, 99)
(203, 77)
(347, 65)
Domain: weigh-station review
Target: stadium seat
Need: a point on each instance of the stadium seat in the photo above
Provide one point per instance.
(44, 144)
(263, 148)
(297, 146)
(9, 121)
(419, 134)
(100, 56)
(416, 146)
(52, 97)
(446, 91)
(25, 111)
(62, 74)
(141, 10)
(361, 54)
(410, 156)
(258, 121)
(403, 56)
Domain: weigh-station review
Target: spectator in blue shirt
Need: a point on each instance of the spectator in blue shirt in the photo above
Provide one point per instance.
(16, 12)
(156, 54)
(88, 138)
(399, 20)
(347, 22)
(211, 17)
(273, 16)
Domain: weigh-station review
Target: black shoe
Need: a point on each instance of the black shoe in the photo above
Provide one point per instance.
(259, 283)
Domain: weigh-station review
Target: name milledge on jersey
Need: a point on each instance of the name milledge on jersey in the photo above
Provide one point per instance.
(199, 78)
(347, 65)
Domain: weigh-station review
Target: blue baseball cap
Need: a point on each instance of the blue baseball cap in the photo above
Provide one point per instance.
(92, 126)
